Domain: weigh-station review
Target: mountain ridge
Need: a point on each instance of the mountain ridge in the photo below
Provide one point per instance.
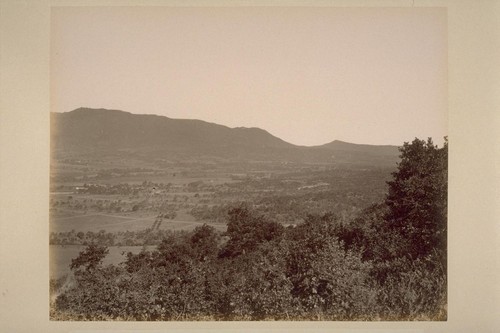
(110, 130)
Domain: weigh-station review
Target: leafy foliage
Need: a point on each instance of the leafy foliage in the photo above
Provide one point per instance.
(417, 198)
(246, 231)
(90, 258)
(328, 279)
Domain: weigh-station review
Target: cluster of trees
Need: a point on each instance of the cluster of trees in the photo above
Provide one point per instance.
(291, 208)
(86, 204)
(82, 238)
(388, 264)
(103, 238)
(290, 197)
(121, 189)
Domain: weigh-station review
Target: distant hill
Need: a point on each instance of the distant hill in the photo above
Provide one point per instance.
(118, 129)
(86, 130)
(370, 149)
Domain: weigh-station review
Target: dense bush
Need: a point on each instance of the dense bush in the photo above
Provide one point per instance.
(417, 198)
(246, 231)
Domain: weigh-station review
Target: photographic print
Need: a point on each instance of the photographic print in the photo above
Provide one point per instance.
(248, 164)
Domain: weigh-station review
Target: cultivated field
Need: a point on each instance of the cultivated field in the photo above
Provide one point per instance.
(116, 223)
(96, 222)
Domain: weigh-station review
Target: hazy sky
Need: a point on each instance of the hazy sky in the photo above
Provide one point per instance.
(306, 75)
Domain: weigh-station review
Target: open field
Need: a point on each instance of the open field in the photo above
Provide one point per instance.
(96, 222)
(188, 225)
(61, 256)
(117, 223)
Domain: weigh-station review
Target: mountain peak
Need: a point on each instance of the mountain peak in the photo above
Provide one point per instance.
(342, 145)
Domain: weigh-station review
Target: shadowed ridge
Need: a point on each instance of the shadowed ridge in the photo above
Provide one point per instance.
(123, 130)
(109, 132)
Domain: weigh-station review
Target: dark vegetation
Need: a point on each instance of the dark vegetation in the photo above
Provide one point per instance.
(387, 263)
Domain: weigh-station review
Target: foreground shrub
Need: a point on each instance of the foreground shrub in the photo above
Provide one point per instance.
(330, 281)
(94, 294)
(414, 290)
(255, 286)
(247, 230)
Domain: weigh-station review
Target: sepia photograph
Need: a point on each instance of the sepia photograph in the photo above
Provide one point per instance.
(248, 163)
(249, 166)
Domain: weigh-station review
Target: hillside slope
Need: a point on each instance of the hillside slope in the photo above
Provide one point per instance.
(87, 131)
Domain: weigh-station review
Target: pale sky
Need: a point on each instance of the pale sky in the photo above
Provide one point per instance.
(306, 75)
